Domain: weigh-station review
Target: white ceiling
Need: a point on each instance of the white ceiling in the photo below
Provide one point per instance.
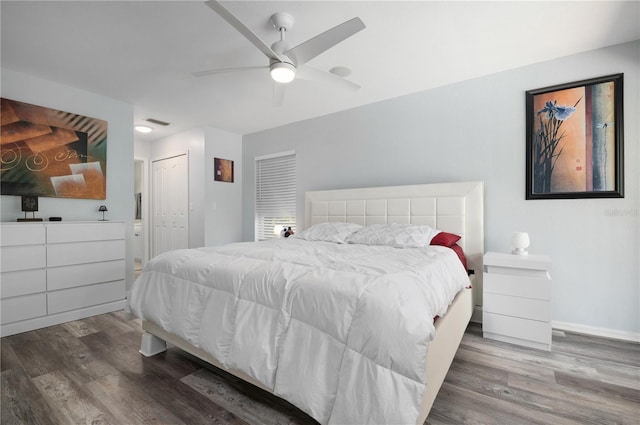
(143, 52)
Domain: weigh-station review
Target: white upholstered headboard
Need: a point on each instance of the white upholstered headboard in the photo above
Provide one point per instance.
(452, 207)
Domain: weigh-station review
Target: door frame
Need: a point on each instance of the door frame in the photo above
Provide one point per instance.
(146, 217)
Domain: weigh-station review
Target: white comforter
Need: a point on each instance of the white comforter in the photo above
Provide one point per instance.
(341, 331)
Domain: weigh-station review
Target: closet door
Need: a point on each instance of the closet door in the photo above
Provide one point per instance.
(170, 204)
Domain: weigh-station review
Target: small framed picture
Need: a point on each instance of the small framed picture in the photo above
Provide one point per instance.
(223, 170)
(29, 203)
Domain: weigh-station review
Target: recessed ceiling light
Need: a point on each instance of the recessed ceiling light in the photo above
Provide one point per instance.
(143, 129)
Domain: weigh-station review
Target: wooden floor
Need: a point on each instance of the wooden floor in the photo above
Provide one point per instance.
(90, 372)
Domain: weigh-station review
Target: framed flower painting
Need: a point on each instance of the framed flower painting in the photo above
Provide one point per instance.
(575, 140)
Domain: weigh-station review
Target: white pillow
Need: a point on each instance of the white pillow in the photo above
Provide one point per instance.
(395, 235)
(332, 231)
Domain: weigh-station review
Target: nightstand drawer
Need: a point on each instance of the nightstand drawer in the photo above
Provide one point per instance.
(520, 286)
(526, 308)
(524, 329)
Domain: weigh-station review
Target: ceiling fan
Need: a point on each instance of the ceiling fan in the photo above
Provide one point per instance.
(285, 63)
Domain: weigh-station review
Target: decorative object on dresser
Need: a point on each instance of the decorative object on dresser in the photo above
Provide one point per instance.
(517, 304)
(47, 152)
(103, 209)
(520, 243)
(29, 204)
(54, 272)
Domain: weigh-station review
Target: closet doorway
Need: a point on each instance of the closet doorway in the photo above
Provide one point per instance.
(170, 209)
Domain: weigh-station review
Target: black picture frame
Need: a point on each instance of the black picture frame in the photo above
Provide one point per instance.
(574, 140)
(223, 170)
(29, 203)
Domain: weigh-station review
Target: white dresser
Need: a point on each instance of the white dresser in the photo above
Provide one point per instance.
(517, 304)
(54, 272)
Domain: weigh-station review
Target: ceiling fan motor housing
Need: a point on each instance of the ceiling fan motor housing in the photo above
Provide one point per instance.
(280, 47)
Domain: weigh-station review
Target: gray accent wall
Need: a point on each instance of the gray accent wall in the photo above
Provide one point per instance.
(475, 130)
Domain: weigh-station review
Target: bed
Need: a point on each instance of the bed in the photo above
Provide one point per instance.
(327, 339)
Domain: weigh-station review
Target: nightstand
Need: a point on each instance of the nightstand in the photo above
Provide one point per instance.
(517, 299)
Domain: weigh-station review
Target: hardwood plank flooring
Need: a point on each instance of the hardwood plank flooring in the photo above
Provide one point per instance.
(90, 372)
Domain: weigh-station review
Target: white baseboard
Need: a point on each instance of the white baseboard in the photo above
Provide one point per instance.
(58, 318)
(575, 327)
(596, 331)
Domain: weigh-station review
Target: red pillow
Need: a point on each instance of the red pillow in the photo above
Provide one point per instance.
(445, 239)
(449, 240)
(458, 250)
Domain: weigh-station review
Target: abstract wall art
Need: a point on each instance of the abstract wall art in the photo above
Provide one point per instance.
(223, 170)
(47, 152)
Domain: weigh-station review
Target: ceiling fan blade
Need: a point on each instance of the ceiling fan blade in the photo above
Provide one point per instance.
(322, 42)
(224, 70)
(278, 93)
(243, 29)
(310, 73)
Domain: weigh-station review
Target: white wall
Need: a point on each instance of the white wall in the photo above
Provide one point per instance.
(475, 130)
(223, 201)
(141, 149)
(119, 115)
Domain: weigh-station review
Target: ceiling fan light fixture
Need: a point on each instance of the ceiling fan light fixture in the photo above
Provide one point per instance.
(283, 72)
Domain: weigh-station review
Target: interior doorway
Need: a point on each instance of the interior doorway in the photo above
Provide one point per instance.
(140, 223)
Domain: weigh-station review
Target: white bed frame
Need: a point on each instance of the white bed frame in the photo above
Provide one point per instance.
(452, 207)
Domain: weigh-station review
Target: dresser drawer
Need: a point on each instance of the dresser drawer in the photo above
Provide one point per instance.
(84, 274)
(84, 232)
(23, 282)
(22, 234)
(84, 296)
(25, 257)
(64, 254)
(22, 308)
(520, 286)
(527, 308)
(515, 327)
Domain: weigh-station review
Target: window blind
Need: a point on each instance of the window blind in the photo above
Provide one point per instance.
(275, 194)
